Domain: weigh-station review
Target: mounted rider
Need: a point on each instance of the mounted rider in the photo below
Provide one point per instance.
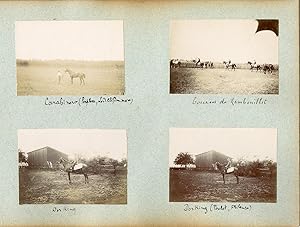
(228, 165)
(254, 64)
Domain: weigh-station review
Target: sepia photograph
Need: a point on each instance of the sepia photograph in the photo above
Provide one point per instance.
(70, 58)
(72, 166)
(224, 56)
(223, 165)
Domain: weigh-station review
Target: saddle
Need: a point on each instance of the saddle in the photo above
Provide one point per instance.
(78, 166)
(230, 170)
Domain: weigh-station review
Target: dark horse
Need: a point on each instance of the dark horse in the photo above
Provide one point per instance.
(198, 63)
(268, 68)
(254, 66)
(73, 75)
(221, 168)
(175, 63)
(229, 65)
(70, 167)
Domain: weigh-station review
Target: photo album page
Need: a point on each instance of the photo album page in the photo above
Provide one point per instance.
(149, 113)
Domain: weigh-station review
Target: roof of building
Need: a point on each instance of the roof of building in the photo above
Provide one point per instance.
(211, 151)
(46, 147)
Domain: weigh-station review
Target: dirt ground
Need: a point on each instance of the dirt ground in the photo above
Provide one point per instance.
(222, 81)
(44, 187)
(196, 186)
(40, 78)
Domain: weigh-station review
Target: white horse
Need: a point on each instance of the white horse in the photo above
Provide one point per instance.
(73, 75)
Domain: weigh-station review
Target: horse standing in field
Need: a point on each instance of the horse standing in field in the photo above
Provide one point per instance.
(229, 65)
(73, 75)
(223, 170)
(70, 167)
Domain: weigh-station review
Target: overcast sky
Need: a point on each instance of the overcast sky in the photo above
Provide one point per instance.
(77, 40)
(86, 142)
(221, 40)
(251, 143)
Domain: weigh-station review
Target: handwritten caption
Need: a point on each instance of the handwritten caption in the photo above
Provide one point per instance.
(216, 208)
(64, 210)
(84, 101)
(230, 101)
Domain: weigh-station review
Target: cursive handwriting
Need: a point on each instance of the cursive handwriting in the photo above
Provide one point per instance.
(216, 207)
(84, 101)
(64, 209)
(232, 101)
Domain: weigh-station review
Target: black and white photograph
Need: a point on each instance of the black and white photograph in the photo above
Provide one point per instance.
(223, 165)
(70, 58)
(224, 56)
(72, 166)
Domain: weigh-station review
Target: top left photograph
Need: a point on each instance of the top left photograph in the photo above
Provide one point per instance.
(70, 58)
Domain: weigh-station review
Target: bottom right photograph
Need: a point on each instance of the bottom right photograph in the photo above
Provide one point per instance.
(223, 165)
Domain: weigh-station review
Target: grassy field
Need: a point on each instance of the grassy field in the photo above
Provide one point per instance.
(196, 186)
(40, 78)
(221, 81)
(52, 187)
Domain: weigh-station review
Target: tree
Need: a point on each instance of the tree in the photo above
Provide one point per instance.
(22, 156)
(184, 159)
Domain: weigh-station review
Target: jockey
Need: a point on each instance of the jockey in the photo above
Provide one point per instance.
(229, 62)
(228, 165)
(254, 63)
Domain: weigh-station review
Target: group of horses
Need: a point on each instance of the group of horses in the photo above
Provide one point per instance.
(228, 65)
(196, 63)
(261, 68)
(72, 75)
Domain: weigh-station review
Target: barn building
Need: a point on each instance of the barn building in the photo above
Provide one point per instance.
(205, 160)
(41, 158)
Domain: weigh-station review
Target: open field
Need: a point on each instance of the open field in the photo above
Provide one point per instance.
(196, 186)
(44, 187)
(222, 81)
(40, 78)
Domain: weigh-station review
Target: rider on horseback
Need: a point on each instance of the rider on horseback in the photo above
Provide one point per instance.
(254, 64)
(228, 165)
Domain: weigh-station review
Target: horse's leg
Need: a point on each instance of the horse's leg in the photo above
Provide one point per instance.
(86, 177)
(237, 179)
(69, 175)
(223, 177)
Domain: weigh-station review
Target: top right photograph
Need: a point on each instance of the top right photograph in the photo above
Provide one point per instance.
(224, 57)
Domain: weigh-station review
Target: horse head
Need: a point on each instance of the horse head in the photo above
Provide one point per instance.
(249, 62)
(217, 166)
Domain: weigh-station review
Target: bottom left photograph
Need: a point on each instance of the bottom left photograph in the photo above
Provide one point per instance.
(72, 166)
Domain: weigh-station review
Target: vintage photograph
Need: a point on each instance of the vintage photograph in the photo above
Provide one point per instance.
(224, 57)
(70, 58)
(72, 166)
(223, 165)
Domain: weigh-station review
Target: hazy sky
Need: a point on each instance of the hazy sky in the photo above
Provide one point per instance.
(251, 143)
(78, 40)
(87, 142)
(221, 40)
